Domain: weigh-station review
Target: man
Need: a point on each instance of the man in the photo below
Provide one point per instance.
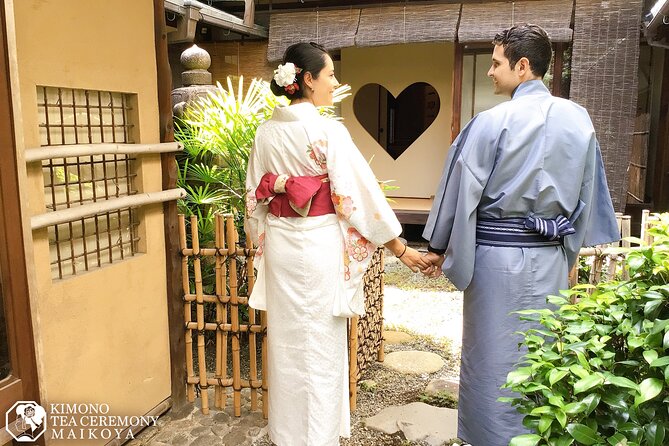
(523, 190)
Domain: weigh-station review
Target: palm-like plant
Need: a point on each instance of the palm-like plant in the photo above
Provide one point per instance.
(217, 133)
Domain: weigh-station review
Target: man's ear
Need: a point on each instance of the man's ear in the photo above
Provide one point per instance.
(523, 66)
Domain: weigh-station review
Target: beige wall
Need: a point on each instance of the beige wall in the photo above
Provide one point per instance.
(395, 67)
(101, 336)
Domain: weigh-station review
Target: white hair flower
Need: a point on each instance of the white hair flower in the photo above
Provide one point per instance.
(285, 74)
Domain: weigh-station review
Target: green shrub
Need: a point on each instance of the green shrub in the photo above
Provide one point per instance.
(597, 371)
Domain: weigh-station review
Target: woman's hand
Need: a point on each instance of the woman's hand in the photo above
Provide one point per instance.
(414, 260)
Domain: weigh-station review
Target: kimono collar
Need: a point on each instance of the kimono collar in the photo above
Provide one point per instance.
(297, 112)
(530, 87)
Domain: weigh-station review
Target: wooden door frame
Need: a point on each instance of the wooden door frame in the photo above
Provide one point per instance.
(661, 174)
(22, 383)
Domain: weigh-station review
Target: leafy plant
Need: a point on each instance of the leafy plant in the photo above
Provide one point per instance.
(597, 372)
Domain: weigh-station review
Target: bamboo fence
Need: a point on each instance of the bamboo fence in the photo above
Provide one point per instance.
(233, 266)
(607, 263)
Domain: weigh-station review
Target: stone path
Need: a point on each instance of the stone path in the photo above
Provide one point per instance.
(418, 422)
(192, 428)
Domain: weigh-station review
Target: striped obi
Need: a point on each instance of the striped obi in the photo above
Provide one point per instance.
(529, 232)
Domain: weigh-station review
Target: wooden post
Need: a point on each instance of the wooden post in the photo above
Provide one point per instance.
(201, 354)
(219, 392)
(353, 362)
(253, 365)
(169, 170)
(186, 312)
(249, 12)
(457, 90)
(231, 233)
(381, 354)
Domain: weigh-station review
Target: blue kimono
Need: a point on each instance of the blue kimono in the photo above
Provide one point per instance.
(534, 156)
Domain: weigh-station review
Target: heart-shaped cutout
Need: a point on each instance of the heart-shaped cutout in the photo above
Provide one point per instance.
(395, 123)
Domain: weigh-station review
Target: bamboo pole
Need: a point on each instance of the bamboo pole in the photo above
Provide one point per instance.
(218, 389)
(234, 316)
(187, 309)
(265, 393)
(75, 150)
(200, 315)
(381, 354)
(253, 363)
(645, 214)
(226, 299)
(113, 204)
(353, 362)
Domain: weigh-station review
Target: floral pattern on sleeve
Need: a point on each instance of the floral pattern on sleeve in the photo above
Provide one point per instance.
(343, 205)
(358, 247)
(251, 202)
(316, 151)
(261, 244)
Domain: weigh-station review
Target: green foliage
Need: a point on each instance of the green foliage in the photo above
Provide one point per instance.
(597, 372)
(439, 399)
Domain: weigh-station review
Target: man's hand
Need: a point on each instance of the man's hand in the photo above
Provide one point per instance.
(436, 260)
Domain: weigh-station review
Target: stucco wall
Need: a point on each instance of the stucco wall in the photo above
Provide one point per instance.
(102, 336)
(418, 169)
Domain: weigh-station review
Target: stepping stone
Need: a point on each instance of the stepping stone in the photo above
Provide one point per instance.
(418, 422)
(396, 337)
(414, 362)
(441, 385)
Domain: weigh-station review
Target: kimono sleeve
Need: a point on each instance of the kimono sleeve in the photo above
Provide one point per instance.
(595, 220)
(451, 225)
(356, 193)
(256, 211)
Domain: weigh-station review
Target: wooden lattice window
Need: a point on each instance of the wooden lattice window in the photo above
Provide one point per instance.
(69, 116)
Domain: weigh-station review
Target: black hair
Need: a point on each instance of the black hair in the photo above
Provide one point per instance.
(529, 41)
(309, 57)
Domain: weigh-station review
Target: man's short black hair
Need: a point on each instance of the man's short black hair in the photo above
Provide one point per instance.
(529, 41)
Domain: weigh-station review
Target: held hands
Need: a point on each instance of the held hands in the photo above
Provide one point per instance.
(414, 260)
(435, 260)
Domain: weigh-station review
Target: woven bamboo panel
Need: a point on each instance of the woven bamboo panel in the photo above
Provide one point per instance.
(216, 324)
(370, 326)
(480, 22)
(605, 62)
(236, 58)
(334, 29)
(387, 25)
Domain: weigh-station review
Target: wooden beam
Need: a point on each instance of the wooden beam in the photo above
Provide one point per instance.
(17, 332)
(457, 91)
(113, 204)
(67, 151)
(558, 63)
(249, 12)
(661, 174)
(171, 219)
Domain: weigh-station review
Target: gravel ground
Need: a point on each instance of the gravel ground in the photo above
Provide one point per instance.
(430, 310)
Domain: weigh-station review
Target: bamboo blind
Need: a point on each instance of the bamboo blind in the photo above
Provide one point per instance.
(334, 29)
(386, 25)
(365, 334)
(479, 22)
(605, 64)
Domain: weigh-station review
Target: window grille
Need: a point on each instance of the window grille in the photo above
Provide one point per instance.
(69, 116)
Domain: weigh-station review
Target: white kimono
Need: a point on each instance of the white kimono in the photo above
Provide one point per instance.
(310, 271)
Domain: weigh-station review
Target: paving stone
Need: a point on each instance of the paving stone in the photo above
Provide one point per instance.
(221, 430)
(221, 417)
(418, 422)
(206, 421)
(200, 430)
(441, 385)
(207, 440)
(396, 337)
(180, 439)
(414, 362)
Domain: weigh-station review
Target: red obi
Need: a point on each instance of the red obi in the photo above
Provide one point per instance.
(298, 191)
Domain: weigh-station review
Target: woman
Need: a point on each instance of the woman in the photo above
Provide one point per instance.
(317, 214)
